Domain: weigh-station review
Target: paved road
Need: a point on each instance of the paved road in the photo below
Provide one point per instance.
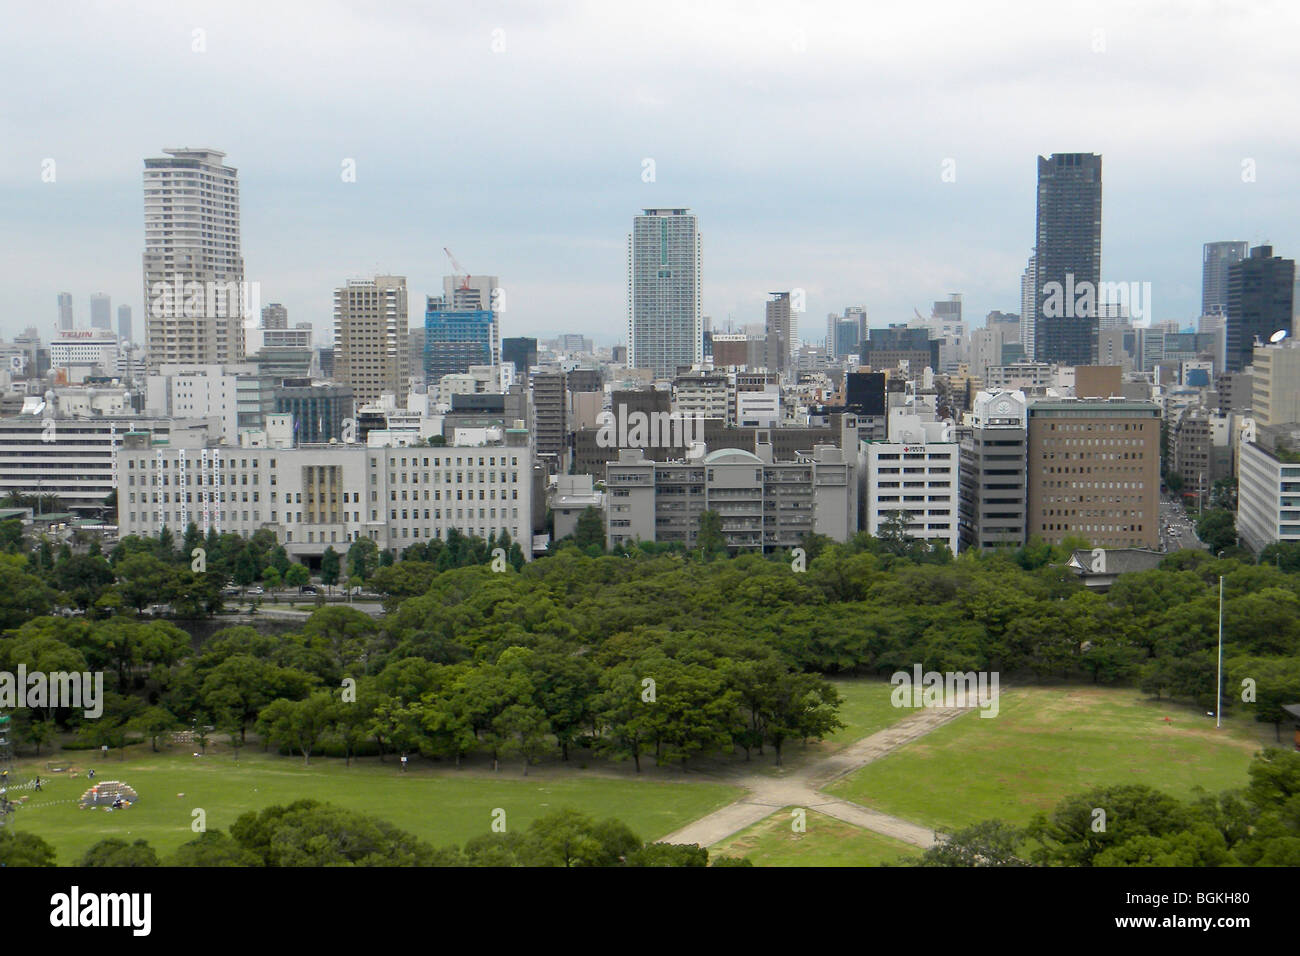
(801, 788)
(1172, 516)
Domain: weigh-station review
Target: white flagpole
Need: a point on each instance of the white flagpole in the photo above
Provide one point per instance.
(1218, 706)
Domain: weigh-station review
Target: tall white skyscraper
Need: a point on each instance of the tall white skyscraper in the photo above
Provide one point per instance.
(65, 311)
(194, 291)
(101, 311)
(665, 316)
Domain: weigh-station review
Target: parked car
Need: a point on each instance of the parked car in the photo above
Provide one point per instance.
(309, 589)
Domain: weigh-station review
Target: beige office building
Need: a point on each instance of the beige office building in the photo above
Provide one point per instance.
(1276, 383)
(371, 338)
(1094, 472)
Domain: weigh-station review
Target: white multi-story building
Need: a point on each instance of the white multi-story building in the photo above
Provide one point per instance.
(477, 380)
(568, 498)
(317, 496)
(665, 316)
(206, 391)
(759, 408)
(993, 477)
(1268, 488)
(273, 338)
(90, 402)
(79, 353)
(918, 472)
(196, 302)
(74, 458)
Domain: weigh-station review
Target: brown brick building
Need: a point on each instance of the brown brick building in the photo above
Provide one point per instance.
(1094, 472)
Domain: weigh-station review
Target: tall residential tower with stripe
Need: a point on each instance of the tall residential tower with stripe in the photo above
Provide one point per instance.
(665, 320)
(194, 291)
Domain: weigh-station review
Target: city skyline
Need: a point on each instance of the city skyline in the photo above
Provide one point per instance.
(548, 215)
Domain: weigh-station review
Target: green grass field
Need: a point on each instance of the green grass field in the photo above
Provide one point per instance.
(1045, 743)
(440, 804)
(865, 709)
(825, 842)
(1048, 743)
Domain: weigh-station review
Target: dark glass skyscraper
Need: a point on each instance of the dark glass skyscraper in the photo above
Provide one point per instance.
(520, 350)
(1215, 262)
(318, 409)
(1261, 288)
(1067, 255)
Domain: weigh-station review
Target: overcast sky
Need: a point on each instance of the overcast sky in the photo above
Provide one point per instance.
(809, 138)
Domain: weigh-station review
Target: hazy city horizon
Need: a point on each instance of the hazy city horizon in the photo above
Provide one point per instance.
(556, 114)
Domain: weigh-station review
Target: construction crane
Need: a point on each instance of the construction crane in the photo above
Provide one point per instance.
(457, 268)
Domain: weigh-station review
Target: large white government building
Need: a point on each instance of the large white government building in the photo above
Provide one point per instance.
(315, 496)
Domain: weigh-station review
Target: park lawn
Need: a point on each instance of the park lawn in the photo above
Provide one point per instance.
(825, 842)
(1049, 743)
(865, 709)
(439, 804)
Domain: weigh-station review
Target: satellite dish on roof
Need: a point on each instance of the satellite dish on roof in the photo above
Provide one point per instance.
(1277, 336)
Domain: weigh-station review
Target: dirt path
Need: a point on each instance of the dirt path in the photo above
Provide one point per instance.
(802, 789)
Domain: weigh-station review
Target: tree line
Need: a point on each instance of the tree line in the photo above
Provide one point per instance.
(646, 653)
(312, 833)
